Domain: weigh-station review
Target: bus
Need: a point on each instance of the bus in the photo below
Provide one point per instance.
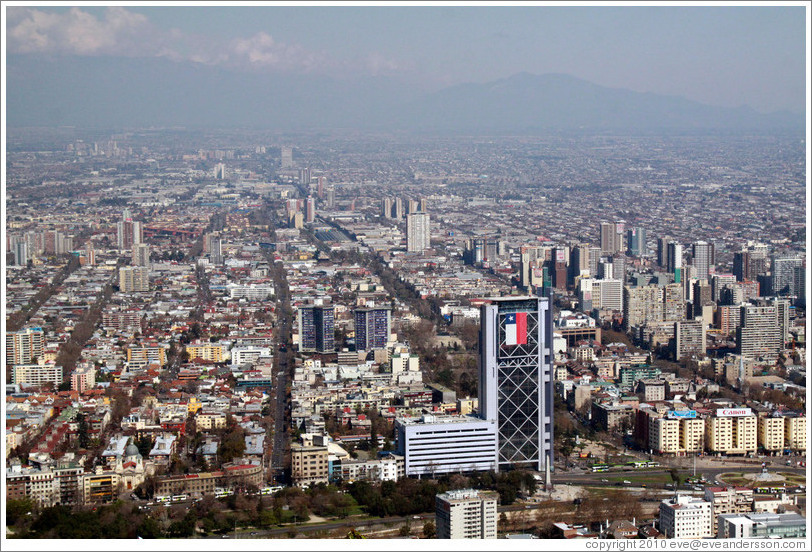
(270, 490)
(162, 499)
(600, 468)
(179, 498)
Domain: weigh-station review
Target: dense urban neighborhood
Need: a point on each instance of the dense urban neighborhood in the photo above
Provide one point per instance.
(219, 334)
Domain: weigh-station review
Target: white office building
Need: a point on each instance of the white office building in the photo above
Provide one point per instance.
(418, 232)
(246, 355)
(466, 514)
(686, 517)
(435, 444)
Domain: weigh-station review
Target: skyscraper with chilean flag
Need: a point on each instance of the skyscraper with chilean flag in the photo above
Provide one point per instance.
(516, 379)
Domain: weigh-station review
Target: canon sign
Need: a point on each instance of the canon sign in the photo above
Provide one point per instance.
(730, 412)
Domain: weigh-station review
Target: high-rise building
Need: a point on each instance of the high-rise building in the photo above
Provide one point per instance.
(559, 258)
(466, 514)
(317, 328)
(619, 267)
(579, 262)
(52, 240)
(594, 257)
(691, 339)
(418, 232)
(397, 209)
(662, 251)
(673, 303)
(718, 283)
(673, 257)
(386, 207)
(128, 233)
(783, 272)
(703, 253)
(20, 253)
(372, 328)
(287, 158)
(516, 379)
(741, 265)
(702, 297)
(24, 346)
(331, 197)
(141, 255)
(310, 210)
(304, 176)
(215, 248)
(799, 274)
(759, 335)
(727, 318)
(606, 294)
(90, 253)
(642, 304)
(636, 242)
(220, 171)
(133, 278)
(782, 307)
(612, 237)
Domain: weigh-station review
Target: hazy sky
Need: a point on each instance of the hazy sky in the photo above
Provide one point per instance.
(728, 56)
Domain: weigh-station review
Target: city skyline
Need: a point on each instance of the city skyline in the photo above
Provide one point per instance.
(415, 272)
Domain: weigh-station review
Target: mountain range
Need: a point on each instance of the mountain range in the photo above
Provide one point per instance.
(98, 92)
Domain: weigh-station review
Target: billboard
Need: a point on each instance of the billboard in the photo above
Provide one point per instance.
(733, 412)
(678, 414)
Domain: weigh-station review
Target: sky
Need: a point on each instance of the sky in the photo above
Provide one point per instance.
(727, 56)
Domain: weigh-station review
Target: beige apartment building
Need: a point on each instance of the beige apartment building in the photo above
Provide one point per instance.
(795, 433)
(309, 465)
(213, 353)
(676, 435)
(731, 431)
(771, 433)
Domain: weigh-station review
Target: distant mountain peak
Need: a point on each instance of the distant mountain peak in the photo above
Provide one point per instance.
(131, 92)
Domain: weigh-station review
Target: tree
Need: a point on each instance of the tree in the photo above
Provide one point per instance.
(429, 530)
(149, 529)
(405, 530)
(84, 436)
(17, 509)
(232, 445)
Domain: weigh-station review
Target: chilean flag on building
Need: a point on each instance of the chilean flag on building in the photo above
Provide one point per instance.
(516, 328)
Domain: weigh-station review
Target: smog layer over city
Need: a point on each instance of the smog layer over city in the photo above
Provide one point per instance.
(415, 272)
